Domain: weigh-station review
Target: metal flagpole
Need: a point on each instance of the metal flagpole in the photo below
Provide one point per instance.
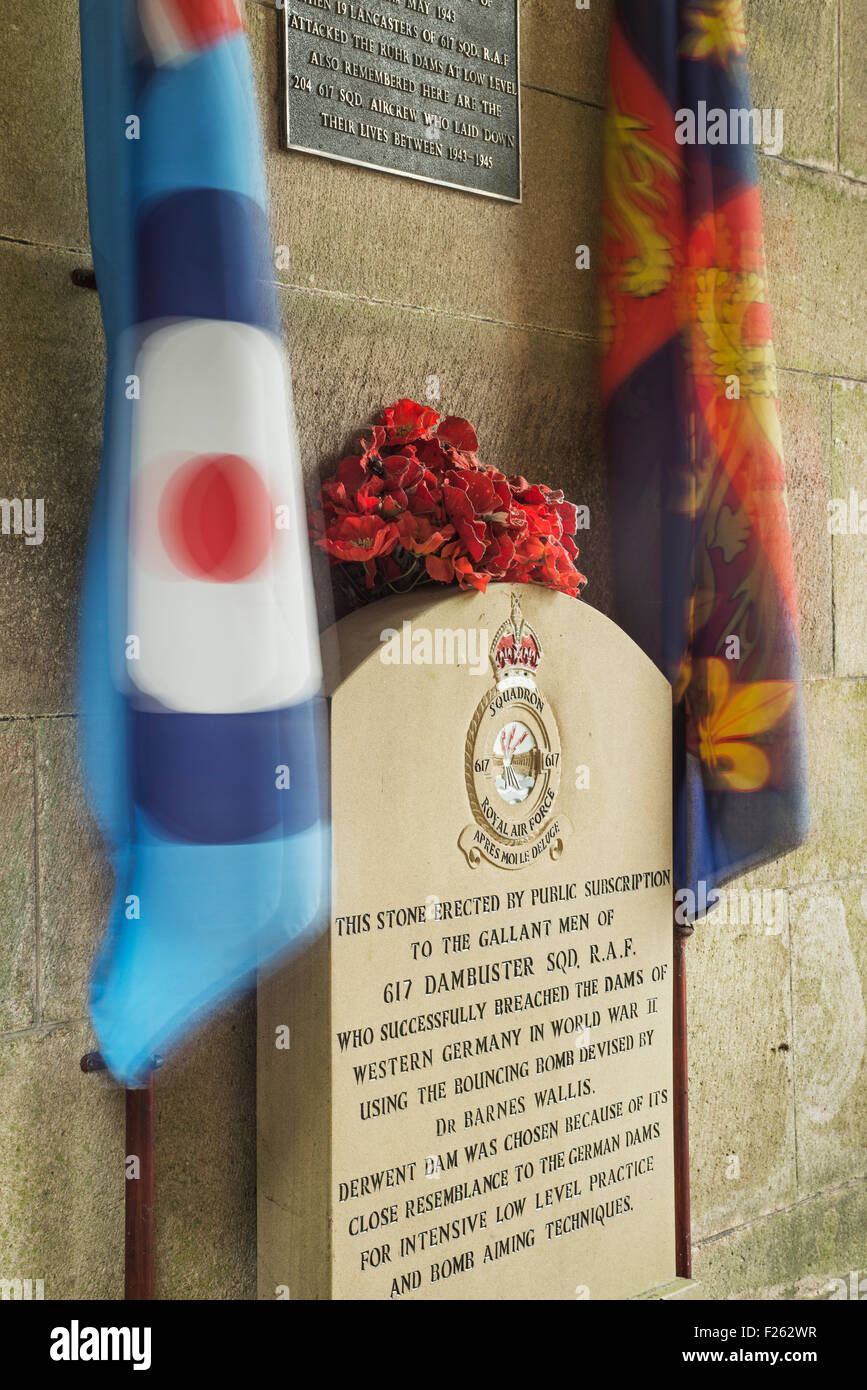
(139, 1182)
(682, 1220)
(139, 1225)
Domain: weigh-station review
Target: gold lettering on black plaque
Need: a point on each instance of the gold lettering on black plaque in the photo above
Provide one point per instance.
(420, 88)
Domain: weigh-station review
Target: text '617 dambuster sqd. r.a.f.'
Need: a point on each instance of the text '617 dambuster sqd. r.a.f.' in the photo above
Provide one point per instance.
(480, 1103)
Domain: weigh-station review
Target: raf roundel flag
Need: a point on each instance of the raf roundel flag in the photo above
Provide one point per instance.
(203, 719)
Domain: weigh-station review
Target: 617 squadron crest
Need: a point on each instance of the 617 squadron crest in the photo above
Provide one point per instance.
(512, 760)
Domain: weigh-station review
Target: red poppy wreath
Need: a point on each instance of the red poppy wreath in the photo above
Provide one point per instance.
(416, 506)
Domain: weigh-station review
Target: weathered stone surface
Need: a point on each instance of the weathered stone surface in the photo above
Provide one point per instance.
(740, 1066)
(792, 56)
(565, 49)
(849, 414)
(75, 881)
(412, 243)
(42, 189)
(206, 1162)
(62, 1165)
(829, 971)
(51, 366)
(853, 88)
(350, 359)
(836, 737)
(18, 879)
(805, 410)
(62, 1160)
(813, 223)
(797, 1254)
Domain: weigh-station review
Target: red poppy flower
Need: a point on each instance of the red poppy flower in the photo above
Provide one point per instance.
(419, 537)
(459, 433)
(359, 538)
(407, 420)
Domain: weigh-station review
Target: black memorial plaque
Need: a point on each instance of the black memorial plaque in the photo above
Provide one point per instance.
(420, 88)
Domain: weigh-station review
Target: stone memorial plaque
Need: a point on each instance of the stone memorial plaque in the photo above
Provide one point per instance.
(476, 1100)
(421, 88)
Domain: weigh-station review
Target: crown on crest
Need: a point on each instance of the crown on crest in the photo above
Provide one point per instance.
(515, 651)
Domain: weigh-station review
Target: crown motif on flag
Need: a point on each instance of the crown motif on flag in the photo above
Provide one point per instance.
(516, 651)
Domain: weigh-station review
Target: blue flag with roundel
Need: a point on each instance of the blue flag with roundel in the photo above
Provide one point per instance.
(202, 714)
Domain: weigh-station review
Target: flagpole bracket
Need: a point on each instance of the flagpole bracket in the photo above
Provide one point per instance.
(94, 1061)
(83, 277)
